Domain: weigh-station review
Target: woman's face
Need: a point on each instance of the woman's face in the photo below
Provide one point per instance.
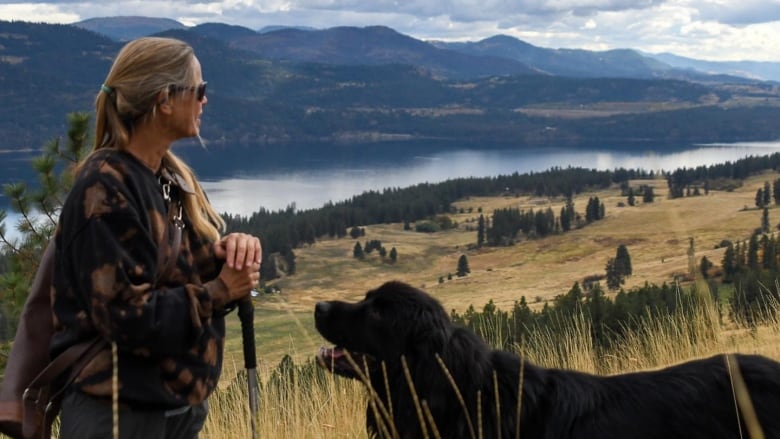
(187, 107)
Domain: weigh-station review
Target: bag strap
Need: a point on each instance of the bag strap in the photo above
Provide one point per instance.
(40, 403)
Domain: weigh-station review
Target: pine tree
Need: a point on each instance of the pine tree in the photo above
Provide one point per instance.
(393, 255)
(760, 198)
(481, 231)
(752, 253)
(767, 194)
(648, 196)
(631, 197)
(463, 266)
(38, 209)
(705, 267)
(765, 220)
(729, 263)
(357, 251)
(614, 278)
(623, 261)
(776, 191)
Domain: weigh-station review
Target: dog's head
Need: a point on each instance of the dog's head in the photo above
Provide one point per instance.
(393, 320)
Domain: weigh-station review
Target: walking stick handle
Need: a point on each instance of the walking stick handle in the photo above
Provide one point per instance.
(246, 313)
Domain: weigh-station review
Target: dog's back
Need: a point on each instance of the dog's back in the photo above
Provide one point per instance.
(695, 399)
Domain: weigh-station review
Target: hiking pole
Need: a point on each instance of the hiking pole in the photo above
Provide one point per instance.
(246, 312)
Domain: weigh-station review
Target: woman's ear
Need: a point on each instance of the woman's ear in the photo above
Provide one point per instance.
(164, 103)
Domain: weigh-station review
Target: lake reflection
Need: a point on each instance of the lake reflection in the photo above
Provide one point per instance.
(241, 182)
(316, 185)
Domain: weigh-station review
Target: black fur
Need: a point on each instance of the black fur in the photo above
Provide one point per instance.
(690, 400)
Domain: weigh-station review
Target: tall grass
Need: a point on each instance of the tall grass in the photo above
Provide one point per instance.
(304, 402)
(300, 404)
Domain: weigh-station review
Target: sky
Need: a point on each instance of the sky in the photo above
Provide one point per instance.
(715, 30)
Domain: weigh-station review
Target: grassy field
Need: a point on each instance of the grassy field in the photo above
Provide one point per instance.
(656, 234)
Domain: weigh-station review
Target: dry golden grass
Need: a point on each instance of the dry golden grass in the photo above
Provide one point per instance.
(656, 235)
(336, 409)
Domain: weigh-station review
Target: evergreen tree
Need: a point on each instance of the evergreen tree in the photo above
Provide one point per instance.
(631, 197)
(648, 196)
(481, 231)
(393, 255)
(289, 259)
(776, 190)
(594, 210)
(614, 278)
(568, 215)
(705, 267)
(767, 194)
(752, 253)
(463, 266)
(38, 209)
(765, 220)
(770, 254)
(623, 261)
(760, 198)
(357, 251)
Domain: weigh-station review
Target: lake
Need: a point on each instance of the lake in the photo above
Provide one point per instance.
(276, 181)
(312, 185)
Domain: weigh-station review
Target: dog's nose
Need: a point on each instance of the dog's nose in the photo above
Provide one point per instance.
(321, 308)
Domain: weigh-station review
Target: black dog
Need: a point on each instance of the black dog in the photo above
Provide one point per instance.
(398, 330)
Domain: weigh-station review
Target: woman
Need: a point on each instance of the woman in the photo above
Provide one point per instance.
(165, 326)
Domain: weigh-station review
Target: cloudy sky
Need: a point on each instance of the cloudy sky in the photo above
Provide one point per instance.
(704, 29)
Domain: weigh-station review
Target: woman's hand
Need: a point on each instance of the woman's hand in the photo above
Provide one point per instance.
(239, 283)
(239, 250)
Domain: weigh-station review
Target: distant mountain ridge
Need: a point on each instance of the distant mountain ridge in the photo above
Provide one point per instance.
(274, 101)
(761, 70)
(499, 55)
(126, 28)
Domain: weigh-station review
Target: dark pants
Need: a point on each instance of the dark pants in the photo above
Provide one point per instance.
(85, 417)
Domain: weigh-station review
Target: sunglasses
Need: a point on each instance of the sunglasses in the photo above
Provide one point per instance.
(200, 90)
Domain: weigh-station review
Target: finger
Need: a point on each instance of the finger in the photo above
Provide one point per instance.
(258, 251)
(241, 255)
(230, 251)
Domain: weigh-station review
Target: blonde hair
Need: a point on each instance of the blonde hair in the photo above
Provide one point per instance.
(142, 69)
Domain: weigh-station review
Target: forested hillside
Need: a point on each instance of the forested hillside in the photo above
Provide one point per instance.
(47, 71)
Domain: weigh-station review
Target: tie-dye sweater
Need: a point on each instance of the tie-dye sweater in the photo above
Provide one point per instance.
(169, 332)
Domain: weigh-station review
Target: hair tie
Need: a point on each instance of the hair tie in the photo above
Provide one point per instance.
(106, 89)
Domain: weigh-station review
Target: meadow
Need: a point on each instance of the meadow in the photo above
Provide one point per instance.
(306, 403)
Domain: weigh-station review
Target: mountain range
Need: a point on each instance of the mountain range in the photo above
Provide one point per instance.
(378, 44)
(295, 88)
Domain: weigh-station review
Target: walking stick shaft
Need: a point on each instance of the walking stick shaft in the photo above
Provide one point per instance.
(246, 312)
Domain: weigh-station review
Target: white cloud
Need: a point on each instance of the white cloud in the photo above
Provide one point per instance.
(705, 29)
(46, 13)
